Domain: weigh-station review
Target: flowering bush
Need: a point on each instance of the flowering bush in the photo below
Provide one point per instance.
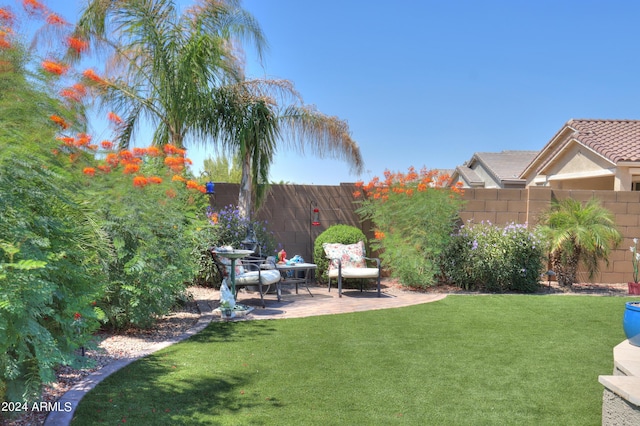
(88, 232)
(487, 257)
(414, 215)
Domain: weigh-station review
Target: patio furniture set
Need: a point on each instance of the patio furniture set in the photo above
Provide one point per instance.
(346, 261)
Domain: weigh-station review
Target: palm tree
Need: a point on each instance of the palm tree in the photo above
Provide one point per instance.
(164, 65)
(578, 233)
(183, 73)
(261, 113)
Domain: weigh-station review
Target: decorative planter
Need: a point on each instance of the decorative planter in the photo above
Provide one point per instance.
(634, 288)
(631, 322)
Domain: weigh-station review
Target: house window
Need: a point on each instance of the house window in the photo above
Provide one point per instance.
(635, 186)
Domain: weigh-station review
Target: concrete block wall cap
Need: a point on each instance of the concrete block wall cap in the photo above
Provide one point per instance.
(627, 358)
(626, 387)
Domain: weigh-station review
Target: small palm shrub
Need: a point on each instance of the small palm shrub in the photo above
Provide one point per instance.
(578, 233)
(339, 234)
(492, 258)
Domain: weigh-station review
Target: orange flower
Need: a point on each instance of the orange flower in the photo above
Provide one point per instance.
(192, 184)
(91, 75)
(378, 235)
(6, 16)
(359, 184)
(139, 152)
(422, 187)
(153, 151)
(55, 151)
(55, 19)
(54, 67)
(33, 6)
(70, 94)
(89, 171)
(140, 181)
(67, 140)
(126, 155)
(104, 168)
(202, 189)
(112, 159)
(59, 121)
(178, 178)
(155, 179)
(172, 149)
(114, 118)
(174, 161)
(357, 194)
(80, 89)
(130, 169)
(83, 139)
(106, 144)
(77, 44)
(4, 43)
(171, 193)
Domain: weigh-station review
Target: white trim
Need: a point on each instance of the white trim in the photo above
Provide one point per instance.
(582, 175)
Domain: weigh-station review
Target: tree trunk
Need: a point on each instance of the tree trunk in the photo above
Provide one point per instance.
(566, 268)
(244, 197)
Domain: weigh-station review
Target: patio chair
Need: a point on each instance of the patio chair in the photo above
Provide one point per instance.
(250, 271)
(349, 261)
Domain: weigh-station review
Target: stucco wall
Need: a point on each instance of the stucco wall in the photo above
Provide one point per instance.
(288, 210)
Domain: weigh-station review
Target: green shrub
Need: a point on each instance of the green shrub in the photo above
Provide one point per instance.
(340, 234)
(414, 216)
(492, 258)
(50, 247)
(151, 236)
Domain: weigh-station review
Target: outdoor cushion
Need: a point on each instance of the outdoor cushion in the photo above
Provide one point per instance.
(227, 265)
(355, 273)
(351, 255)
(268, 276)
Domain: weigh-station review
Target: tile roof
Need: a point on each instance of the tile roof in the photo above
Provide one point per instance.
(616, 140)
(505, 165)
(469, 176)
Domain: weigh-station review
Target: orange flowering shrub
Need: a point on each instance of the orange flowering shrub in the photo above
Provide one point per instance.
(414, 214)
(54, 67)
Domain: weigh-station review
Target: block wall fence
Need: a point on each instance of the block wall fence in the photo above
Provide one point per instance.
(288, 211)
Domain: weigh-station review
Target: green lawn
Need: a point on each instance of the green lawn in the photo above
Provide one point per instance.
(476, 360)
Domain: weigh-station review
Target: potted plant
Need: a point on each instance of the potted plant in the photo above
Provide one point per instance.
(634, 287)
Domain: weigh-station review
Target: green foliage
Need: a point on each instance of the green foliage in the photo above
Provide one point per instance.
(220, 169)
(414, 216)
(151, 236)
(49, 245)
(339, 234)
(576, 234)
(492, 258)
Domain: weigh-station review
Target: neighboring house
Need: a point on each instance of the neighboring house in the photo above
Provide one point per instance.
(591, 155)
(493, 170)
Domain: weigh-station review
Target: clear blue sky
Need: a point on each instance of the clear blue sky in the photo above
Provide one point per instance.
(428, 83)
